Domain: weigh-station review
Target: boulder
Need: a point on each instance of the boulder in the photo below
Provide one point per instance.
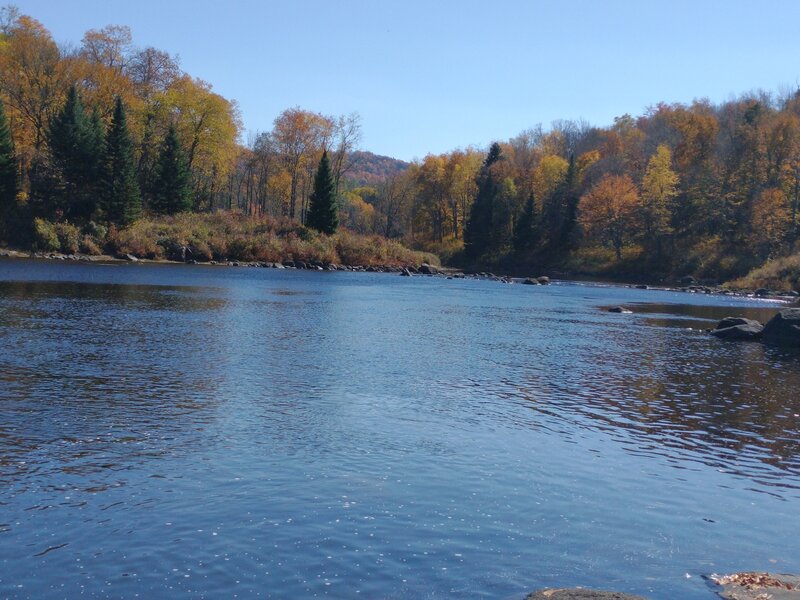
(738, 328)
(642, 287)
(530, 281)
(784, 328)
(687, 281)
(427, 269)
(620, 309)
(405, 273)
(543, 280)
(762, 293)
(131, 258)
(579, 594)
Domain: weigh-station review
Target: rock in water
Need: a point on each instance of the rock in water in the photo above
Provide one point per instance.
(543, 280)
(427, 269)
(620, 309)
(738, 328)
(580, 594)
(784, 328)
(530, 281)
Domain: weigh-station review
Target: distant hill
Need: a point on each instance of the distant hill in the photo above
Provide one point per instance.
(371, 169)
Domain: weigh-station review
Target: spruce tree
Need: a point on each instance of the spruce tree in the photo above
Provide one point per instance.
(526, 228)
(121, 199)
(76, 147)
(9, 182)
(323, 213)
(172, 191)
(478, 231)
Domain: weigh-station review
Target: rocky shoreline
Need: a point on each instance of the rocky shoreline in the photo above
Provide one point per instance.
(687, 284)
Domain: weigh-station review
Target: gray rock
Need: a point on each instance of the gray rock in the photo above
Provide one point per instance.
(784, 328)
(739, 329)
(530, 281)
(543, 280)
(620, 309)
(642, 287)
(579, 594)
(762, 293)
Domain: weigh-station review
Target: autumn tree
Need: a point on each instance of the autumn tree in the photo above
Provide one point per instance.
(608, 212)
(300, 136)
(9, 176)
(659, 188)
(323, 213)
(172, 186)
(771, 222)
(121, 199)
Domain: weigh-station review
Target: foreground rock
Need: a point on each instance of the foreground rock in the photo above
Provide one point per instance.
(620, 310)
(758, 586)
(580, 594)
(784, 328)
(738, 328)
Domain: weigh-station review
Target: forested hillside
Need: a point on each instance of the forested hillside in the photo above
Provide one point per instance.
(103, 133)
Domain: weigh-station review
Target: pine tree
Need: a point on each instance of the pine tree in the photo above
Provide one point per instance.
(9, 182)
(172, 191)
(527, 227)
(569, 225)
(323, 212)
(478, 231)
(76, 146)
(121, 199)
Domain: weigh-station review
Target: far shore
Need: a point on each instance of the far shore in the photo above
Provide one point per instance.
(687, 284)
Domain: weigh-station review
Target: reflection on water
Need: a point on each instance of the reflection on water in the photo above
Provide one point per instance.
(179, 431)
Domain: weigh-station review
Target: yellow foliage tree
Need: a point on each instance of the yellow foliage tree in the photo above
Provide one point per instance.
(609, 212)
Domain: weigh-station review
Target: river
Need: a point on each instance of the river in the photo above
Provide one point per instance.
(212, 432)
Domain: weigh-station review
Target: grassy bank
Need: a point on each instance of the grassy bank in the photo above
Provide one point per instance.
(780, 274)
(225, 236)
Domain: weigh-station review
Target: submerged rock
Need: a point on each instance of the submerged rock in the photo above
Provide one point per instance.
(738, 328)
(580, 594)
(620, 309)
(758, 586)
(784, 328)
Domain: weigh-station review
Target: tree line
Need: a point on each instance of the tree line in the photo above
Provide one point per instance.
(700, 187)
(104, 132)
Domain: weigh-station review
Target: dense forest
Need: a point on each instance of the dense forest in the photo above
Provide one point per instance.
(96, 138)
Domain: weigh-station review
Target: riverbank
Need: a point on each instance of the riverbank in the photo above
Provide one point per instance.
(221, 238)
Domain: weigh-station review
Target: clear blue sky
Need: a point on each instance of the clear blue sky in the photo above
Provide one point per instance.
(433, 75)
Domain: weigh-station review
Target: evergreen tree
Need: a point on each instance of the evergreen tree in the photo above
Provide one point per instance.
(76, 147)
(121, 199)
(478, 231)
(570, 199)
(527, 227)
(323, 212)
(9, 182)
(172, 192)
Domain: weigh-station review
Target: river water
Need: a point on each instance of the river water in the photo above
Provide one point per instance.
(169, 431)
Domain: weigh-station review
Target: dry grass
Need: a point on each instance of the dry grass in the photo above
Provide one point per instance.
(233, 236)
(780, 274)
